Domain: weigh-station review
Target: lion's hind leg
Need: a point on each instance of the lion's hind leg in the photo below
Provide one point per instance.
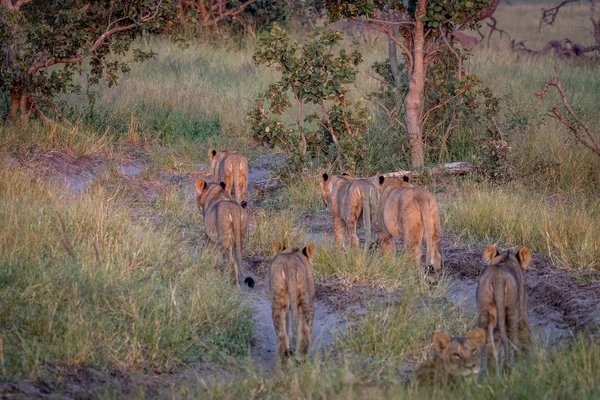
(279, 314)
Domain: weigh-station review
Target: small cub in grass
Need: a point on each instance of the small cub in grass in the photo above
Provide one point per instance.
(291, 288)
(230, 167)
(455, 358)
(502, 301)
(225, 222)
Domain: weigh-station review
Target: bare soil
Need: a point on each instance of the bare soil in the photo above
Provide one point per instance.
(559, 302)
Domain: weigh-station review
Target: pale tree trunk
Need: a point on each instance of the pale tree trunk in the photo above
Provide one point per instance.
(416, 90)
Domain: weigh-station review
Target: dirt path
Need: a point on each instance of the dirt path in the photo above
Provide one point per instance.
(326, 322)
(558, 303)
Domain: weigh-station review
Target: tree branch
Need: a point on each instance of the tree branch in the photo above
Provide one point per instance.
(549, 15)
(97, 43)
(591, 142)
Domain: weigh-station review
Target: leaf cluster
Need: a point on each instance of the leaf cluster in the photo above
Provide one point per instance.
(312, 74)
(446, 14)
(45, 43)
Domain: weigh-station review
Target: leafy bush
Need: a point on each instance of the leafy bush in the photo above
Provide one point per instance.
(313, 75)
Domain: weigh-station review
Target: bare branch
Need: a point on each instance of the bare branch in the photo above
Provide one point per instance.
(549, 15)
(562, 48)
(458, 58)
(494, 28)
(589, 140)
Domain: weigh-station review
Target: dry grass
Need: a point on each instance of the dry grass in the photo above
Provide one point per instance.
(76, 275)
(564, 229)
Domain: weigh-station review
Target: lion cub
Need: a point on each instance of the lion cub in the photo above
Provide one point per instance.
(225, 222)
(455, 357)
(291, 288)
(411, 213)
(231, 168)
(502, 300)
(348, 199)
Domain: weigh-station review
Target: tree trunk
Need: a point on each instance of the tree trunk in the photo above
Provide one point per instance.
(18, 111)
(416, 90)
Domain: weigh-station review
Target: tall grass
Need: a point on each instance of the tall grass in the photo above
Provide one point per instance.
(569, 371)
(81, 284)
(565, 230)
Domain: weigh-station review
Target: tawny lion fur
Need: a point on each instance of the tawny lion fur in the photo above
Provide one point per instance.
(411, 213)
(291, 288)
(225, 222)
(455, 358)
(348, 199)
(502, 301)
(230, 167)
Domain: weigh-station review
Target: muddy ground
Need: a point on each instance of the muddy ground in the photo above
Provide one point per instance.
(560, 302)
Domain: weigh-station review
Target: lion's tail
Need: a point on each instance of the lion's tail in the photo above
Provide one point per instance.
(425, 206)
(367, 215)
(499, 288)
(237, 244)
(236, 182)
(292, 284)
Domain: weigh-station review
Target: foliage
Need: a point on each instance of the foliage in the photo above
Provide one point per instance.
(453, 107)
(313, 75)
(446, 14)
(35, 36)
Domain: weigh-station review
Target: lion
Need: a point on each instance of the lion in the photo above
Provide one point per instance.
(456, 357)
(231, 168)
(225, 222)
(502, 301)
(291, 288)
(411, 213)
(348, 199)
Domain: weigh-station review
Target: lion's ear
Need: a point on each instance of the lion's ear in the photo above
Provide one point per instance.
(212, 153)
(309, 251)
(277, 247)
(441, 341)
(200, 185)
(524, 257)
(222, 184)
(405, 178)
(477, 337)
(489, 254)
(325, 176)
(381, 180)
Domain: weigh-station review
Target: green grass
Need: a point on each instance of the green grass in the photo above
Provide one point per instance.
(76, 276)
(569, 371)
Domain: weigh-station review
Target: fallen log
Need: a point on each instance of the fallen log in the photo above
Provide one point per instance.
(455, 168)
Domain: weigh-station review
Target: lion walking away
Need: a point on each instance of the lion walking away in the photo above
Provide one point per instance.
(348, 199)
(225, 222)
(291, 289)
(230, 167)
(502, 302)
(410, 213)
